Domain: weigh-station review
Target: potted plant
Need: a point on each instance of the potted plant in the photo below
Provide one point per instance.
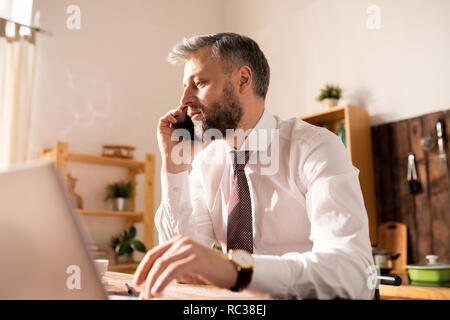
(125, 244)
(119, 193)
(330, 95)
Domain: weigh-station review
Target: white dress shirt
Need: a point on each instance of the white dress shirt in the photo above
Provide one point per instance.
(310, 226)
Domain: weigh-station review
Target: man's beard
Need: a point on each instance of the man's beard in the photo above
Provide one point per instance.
(226, 113)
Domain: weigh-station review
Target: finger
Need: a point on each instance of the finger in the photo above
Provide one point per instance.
(179, 109)
(142, 295)
(171, 118)
(167, 121)
(175, 112)
(168, 118)
(172, 112)
(148, 260)
(163, 123)
(171, 272)
(162, 263)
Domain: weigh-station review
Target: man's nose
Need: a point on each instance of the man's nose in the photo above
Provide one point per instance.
(188, 97)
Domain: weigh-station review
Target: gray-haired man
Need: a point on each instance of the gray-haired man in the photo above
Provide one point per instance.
(303, 228)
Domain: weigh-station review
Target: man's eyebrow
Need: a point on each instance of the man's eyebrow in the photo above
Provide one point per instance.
(191, 77)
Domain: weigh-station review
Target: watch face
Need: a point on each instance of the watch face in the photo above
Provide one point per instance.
(243, 258)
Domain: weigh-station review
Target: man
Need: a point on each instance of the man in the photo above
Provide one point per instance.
(303, 225)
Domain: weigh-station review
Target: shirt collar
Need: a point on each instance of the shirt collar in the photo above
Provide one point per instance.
(260, 137)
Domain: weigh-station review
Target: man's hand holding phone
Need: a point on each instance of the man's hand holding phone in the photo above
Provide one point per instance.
(166, 127)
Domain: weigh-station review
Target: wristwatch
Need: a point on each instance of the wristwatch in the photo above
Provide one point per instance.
(244, 263)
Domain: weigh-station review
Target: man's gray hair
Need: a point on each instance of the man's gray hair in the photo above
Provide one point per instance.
(231, 50)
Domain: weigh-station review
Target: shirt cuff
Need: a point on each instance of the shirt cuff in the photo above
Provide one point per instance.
(276, 284)
(175, 188)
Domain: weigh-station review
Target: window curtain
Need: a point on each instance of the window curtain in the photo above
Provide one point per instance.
(17, 60)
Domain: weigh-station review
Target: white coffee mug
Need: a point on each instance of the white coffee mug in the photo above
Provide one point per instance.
(101, 265)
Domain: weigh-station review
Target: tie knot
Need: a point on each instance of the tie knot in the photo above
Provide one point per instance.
(240, 159)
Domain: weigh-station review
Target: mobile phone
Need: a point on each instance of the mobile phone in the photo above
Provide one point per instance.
(185, 122)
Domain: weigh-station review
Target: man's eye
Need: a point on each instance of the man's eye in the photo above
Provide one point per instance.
(199, 83)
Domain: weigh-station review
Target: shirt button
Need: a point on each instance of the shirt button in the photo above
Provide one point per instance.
(176, 189)
(175, 230)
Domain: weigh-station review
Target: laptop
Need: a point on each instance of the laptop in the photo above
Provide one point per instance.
(42, 241)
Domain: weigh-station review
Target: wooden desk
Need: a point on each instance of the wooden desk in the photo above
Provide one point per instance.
(408, 292)
(115, 281)
(411, 292)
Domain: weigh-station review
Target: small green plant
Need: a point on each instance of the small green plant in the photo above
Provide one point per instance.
(330, 91)
(126, 244)
(119, 190)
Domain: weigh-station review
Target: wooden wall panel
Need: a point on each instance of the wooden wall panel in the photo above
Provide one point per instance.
(421, 241)
(439, 192)
(426, 214)
(384, 183)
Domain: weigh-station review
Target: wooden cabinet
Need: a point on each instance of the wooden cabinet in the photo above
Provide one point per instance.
(61, 155)
(359, 144)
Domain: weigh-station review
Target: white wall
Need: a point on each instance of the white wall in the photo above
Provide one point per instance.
(397, 72)
(108, 83)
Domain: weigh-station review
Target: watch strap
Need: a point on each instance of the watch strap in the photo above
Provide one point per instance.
(243, 279)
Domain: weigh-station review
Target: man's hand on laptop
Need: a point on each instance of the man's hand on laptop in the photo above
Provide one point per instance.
(183, 259)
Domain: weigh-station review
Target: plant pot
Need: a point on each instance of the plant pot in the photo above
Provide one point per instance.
(330, 103)
(124, 259)
(119, 204)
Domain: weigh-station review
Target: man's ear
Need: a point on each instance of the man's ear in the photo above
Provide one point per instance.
(245, 79)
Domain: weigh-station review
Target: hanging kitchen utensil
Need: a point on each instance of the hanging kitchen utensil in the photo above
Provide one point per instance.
(428, 143)
(414, 184)
(441, 138)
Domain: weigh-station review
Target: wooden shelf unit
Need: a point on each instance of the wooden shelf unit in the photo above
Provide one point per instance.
(61, 155)
(359, 145)
(137, 216)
